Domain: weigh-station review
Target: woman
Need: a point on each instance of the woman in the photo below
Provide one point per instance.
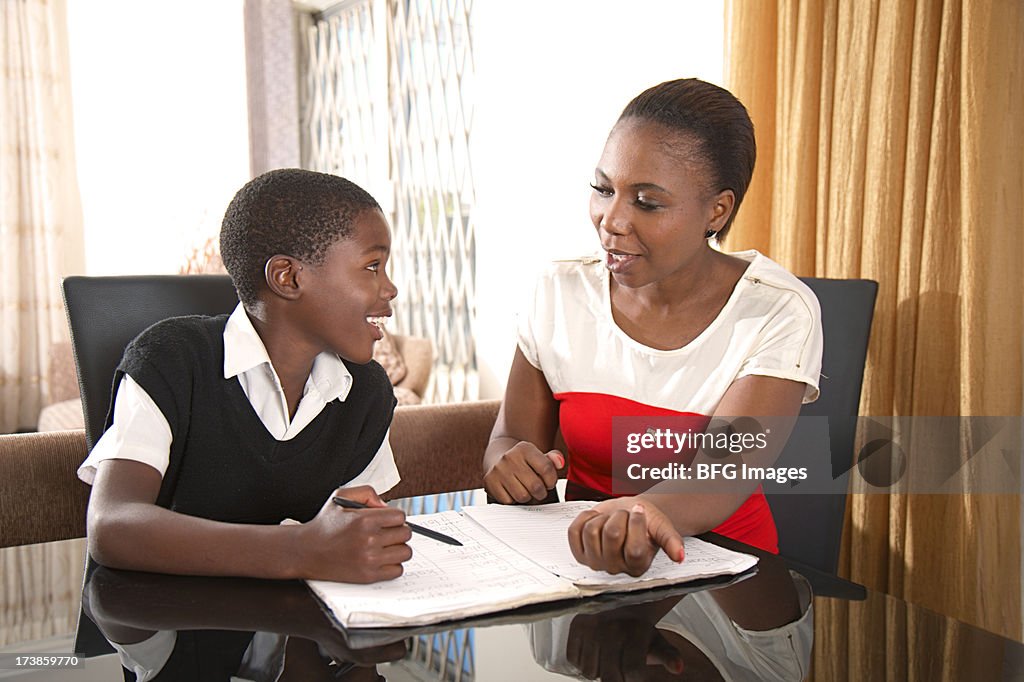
(662, 324)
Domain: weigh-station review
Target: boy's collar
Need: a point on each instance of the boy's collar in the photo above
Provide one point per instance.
(244, 350)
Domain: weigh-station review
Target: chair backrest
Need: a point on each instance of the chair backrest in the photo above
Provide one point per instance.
(810, 525)
(106, 313)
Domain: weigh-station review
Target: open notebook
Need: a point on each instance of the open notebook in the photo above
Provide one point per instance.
(511, 556)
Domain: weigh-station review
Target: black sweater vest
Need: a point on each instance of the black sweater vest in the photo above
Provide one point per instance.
(224, 464)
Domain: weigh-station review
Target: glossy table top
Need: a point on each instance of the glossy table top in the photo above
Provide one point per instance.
(758, 627)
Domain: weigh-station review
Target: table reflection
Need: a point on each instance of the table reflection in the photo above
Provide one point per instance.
(757, 626)
(757, 629)
(190, 628)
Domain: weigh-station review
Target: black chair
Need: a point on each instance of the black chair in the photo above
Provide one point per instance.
(810, 525)
(104, 315)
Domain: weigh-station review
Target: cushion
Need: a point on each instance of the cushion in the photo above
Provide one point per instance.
(62, 416)
(406, 396)
(385, 352)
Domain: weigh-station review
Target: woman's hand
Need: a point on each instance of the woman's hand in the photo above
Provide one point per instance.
(523, 474)
(516, 466)
(614, 647)
(355, 545)
(330, 641)
(623, 535)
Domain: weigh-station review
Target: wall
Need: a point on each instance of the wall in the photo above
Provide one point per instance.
(551, 79)
(161, 133)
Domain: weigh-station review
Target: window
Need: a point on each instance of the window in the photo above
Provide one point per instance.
(388, 103)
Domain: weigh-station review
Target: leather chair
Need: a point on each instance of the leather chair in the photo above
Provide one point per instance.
(105, 313)
(810, 525)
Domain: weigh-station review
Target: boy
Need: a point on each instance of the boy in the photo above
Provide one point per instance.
(221, 427)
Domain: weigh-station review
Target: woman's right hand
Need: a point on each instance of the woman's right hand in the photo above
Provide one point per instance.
(523, 474)
(617, 646)
(355, 545)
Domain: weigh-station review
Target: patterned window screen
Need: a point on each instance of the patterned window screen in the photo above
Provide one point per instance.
(387, 101)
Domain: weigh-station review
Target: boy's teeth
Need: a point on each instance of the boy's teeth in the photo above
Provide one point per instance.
(376, 321)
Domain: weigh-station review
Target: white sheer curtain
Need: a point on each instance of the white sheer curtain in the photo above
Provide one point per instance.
(40, 588)
(39, 205)
(39, 212)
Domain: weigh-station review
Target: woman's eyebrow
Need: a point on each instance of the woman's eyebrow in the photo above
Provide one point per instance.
(638, 186)
(651, 186)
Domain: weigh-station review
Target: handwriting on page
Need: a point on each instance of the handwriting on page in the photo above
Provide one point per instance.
(541, 533)
(444, 578)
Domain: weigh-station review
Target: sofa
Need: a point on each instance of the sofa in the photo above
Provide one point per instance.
(438, 448)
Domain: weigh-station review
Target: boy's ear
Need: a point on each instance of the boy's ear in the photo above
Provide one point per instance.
(282, 275)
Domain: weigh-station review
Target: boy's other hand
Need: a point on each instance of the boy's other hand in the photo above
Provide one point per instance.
(523, 474)
(355, 545)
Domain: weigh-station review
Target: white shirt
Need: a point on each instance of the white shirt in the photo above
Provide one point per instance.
(263, 660)
(770, 326)
(140, 431)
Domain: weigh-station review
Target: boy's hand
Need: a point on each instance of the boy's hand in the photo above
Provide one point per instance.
(363, 494)
(622, 536)
(523, 474)
(355, 545)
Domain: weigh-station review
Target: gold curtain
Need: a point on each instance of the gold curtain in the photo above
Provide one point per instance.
(890, 148)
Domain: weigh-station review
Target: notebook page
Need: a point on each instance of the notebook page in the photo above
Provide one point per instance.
(443, 581)
(541, 533)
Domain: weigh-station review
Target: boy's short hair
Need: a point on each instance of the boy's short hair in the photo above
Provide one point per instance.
(290, 211)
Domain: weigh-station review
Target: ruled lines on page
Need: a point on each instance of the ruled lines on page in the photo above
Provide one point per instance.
(541, 533)
(443, 582)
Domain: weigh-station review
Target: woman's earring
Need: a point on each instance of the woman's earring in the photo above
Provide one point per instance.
(710, 234)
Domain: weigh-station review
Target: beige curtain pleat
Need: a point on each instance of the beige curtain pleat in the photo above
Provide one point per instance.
(40, 214)
(890, 147)
(42, 591)
(38, 200)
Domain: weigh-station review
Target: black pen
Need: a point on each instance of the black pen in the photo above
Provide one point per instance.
(432, 534)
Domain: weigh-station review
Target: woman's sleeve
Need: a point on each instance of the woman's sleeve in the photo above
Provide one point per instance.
(790, 344)
(526, 324)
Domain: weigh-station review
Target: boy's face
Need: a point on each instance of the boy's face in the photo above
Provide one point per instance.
(349, 289)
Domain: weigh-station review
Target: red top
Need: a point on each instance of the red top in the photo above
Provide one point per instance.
(586, 423)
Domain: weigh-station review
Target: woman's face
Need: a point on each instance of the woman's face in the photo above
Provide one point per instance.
(653, 203)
